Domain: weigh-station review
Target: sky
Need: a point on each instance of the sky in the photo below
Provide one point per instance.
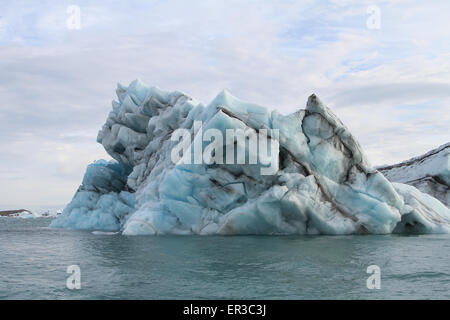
(383, 67)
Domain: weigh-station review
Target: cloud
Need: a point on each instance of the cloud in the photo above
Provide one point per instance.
(390, 86)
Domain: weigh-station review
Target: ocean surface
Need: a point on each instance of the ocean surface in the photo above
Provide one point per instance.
(34, 261)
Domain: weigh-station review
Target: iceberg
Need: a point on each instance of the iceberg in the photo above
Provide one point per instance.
(101, 202)
(430, 173)
(319, 182)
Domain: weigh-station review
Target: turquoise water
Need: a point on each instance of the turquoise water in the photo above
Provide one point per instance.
(34, 259)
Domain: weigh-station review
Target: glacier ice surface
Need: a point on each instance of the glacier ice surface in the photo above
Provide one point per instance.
(323, 184)
(101, 202)
(430, 173)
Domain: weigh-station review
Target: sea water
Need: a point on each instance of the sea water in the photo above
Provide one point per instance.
(34, 261)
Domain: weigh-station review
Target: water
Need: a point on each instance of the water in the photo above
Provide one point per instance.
(34, 260)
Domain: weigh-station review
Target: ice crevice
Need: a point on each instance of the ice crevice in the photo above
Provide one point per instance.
(323, 182)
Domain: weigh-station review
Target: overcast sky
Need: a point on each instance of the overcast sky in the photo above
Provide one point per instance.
(382, 66)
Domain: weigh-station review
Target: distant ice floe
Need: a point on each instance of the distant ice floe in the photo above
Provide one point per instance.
(104, 233)
(323, 183)
(27, 214)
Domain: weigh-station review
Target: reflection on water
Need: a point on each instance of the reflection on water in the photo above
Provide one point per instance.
(33, 262)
